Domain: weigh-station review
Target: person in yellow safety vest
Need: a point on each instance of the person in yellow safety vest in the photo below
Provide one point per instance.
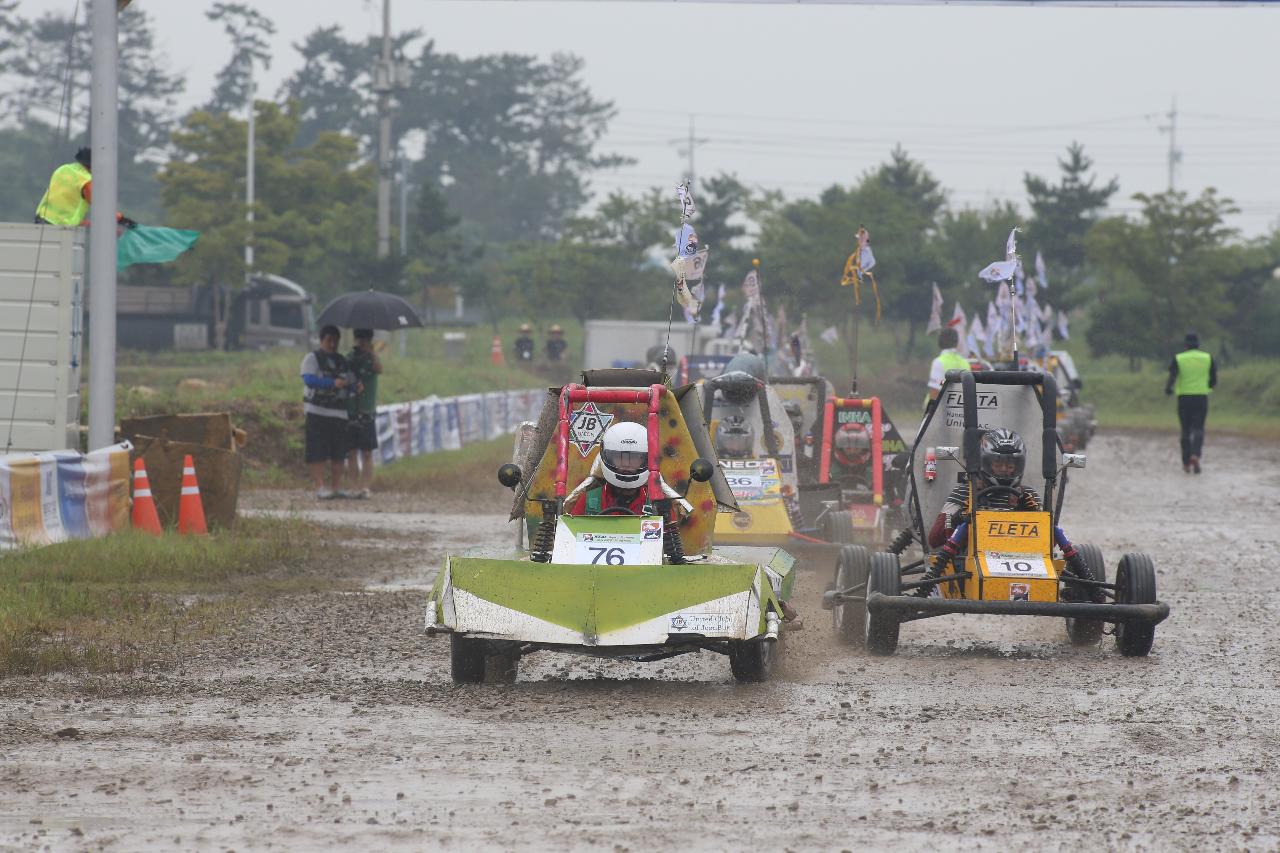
(948, 359)
(1192, 376)
(70, 193)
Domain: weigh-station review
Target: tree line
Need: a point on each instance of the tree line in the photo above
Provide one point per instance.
(499, 152)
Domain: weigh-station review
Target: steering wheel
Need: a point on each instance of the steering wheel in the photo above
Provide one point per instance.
(618, 510)
(996, 490)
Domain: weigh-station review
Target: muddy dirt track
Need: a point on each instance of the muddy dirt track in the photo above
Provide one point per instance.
(332, 724)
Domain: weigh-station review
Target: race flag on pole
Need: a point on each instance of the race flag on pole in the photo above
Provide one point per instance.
(830, 334)
(687, 208)
(1046, 314)
(957, 322)
(1062, 325)
(751, 285)
(686, 241)
(1027, 284)
(1041, 275)
(719, 309)
(935, 312)
(1006, 269)
(858, 266)
(993, 319)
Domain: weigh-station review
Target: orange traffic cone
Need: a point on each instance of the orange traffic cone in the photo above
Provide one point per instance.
(190, 510)
(144, 506)
(495, 353)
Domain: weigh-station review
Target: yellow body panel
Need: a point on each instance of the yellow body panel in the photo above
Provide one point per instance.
(1011, 559)
(678, 453)
(755, 524)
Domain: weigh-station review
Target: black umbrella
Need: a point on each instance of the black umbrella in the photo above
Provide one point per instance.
(369, 309)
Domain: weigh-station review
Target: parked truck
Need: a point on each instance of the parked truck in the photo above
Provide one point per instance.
(269, 311)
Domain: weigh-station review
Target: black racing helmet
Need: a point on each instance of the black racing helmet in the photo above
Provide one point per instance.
(735, 439)
(1004, 457)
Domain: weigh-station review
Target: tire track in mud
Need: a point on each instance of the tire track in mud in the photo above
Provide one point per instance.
(330, 723)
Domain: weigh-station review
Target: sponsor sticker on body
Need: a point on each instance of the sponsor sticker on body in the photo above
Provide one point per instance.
(753, 479)
(608, 541)
(700, 623)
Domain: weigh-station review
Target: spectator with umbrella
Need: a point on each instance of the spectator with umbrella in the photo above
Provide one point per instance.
(364, 311)
(325, 380)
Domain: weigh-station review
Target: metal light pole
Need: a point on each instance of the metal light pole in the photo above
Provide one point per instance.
(248, 183)
(383, 84)
(102, 227)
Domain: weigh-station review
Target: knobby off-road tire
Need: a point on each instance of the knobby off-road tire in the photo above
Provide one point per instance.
(837, 527)
(752, 661)
(473, 661)
(853, 567)
(1086, 632)
(880, 631)
(1135, 584)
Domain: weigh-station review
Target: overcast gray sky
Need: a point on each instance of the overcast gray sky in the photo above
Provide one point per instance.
(800, 96)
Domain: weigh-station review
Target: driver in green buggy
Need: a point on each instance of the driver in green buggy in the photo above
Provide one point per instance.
(618, 483)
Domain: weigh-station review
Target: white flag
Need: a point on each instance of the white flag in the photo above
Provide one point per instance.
(1031, 307)
(1040, 273)
(977, 330)
(691, 267)
(993, 319)
(935, 312)
(1011, 245)
(957, 322)
(1030, 286)
(830, 334)
(1062, 325)
(1046, 313)
(686, 200)
(998, 271)
(686, 241)
(751, 285)
(715, 314)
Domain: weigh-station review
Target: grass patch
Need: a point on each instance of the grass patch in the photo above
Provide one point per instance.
(130, 600)
(447, 472)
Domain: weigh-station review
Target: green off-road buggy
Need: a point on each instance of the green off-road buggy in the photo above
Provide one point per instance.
(608, 582)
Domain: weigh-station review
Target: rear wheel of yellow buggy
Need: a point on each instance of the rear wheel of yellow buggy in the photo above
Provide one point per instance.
(752, 660)
(837, 526)
(880, 630)
(852, 570)
(1135, 584)
(1086, 632)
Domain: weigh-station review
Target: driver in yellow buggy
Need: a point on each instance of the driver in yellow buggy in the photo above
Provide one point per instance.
(1003, 460)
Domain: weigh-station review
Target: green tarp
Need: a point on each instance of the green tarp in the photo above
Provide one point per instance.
(147, 244)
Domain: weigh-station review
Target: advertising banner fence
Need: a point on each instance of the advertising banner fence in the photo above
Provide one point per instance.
(450, 423)
(63, 494)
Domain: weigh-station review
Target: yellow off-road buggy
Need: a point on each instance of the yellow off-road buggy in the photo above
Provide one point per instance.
(1009, 565)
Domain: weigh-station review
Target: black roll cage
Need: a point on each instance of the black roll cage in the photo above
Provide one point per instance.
(1046, 392)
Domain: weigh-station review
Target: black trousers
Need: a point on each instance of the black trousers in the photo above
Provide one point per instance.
(1192, 410)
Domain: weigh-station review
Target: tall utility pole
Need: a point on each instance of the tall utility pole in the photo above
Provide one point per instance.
(384, 84)
(103, 123)
(687, 148)
(1175, 153)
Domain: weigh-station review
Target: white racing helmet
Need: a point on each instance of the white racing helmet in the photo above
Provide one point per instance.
(624, 452)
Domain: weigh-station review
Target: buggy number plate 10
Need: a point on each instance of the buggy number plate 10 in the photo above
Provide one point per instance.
(1001, 565)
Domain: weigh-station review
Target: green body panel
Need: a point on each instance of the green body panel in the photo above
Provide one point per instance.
(596, 599)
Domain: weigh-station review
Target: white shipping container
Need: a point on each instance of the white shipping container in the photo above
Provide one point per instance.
(41, 339)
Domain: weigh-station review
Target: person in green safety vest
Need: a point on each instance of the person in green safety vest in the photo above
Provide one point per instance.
(66, 201)
(1192, 376)
(948, 359)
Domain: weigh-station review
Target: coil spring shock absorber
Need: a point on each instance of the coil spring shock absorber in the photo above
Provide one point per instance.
(673, 544)
(900, 544)
(543, 540)
(937, 566)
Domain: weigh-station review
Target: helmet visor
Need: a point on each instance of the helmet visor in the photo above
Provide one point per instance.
(627, 462)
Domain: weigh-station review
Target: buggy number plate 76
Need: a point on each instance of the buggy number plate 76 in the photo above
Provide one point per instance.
(1001, 565)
